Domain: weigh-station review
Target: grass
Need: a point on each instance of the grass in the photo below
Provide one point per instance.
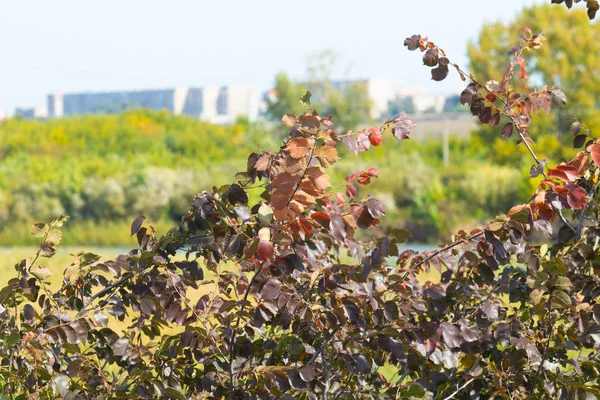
(82, 233)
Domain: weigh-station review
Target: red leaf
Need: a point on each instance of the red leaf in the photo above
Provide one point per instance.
(521, 63)
(576, 196)
(350, 190)
(594, 150)
(265, 250)
(565, 173)
(340, 198)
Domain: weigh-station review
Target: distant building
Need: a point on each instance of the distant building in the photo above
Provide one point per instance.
(213, 103)
(31, 113)
(380, 91)
(4, 114)
(424, 102)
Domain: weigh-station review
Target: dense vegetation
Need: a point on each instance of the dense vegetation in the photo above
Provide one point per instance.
(300, 308)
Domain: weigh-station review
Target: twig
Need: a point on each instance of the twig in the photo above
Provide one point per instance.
(443, 249)
(233, 337)
(322, 346)
(537, 161)
(459, 389)
(591, 194)
(104, 291)
(564, 220)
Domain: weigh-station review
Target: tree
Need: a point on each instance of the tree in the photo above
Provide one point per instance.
(401, 105)
(288, 317)
(348, 99)
(570, 61)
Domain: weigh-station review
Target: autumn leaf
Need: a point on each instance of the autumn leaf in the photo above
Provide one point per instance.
(594, 150)
(351, 144)
(327, 155)
(363, 142)
(318, 177)
(300, 146)
(375, 207)
(576, 196)
(285, 182)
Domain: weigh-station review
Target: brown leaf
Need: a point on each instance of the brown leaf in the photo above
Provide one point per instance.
(280, 199)
(300, 146)
(304, 198)
(318, 177)
(285, 182)
(327, 155)
(263, 163)
(293, 165)
(289, 120)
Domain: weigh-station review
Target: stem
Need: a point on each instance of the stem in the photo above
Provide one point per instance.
(591, 194)
(459, 389)
(104, 291)
(564, 220)
(443, 249)
(233, 337)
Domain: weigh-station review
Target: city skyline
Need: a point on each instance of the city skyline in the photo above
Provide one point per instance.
(71, 46)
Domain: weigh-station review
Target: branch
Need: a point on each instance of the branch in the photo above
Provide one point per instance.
(322, 346)
(591, 194)
(564, 220)
(233, 337)
(459, 389)
(104, 291)
(443, 249)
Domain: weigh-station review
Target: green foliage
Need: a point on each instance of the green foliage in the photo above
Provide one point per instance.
(347, 99)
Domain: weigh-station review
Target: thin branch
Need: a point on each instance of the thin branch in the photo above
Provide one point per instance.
(443, 249)
(591, 194)
(529, 148)
(564, 220)
(322, 346)
(459, 389)
(233, 337)
(104, 291)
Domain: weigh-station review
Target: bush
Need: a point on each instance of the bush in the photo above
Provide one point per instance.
(289, 304)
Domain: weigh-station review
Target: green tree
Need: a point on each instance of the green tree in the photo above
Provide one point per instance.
(571, 61)
(347, 98)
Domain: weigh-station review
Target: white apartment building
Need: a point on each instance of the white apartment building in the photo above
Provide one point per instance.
(217, 104)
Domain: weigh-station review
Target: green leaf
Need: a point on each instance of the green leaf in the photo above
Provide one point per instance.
(12, 339)
(305, 99)
(536, 296)
(414, 390)
(563, 283)
(561, 298)
(39, 229)
(265, 214)
(400, 235)
(556, 267)
(176, 394)
(60, 221)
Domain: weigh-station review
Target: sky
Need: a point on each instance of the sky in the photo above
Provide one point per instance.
(74, 46)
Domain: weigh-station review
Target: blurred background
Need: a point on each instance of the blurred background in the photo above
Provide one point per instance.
(115, 109)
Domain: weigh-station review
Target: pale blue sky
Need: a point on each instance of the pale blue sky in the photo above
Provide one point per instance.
(74, 45)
